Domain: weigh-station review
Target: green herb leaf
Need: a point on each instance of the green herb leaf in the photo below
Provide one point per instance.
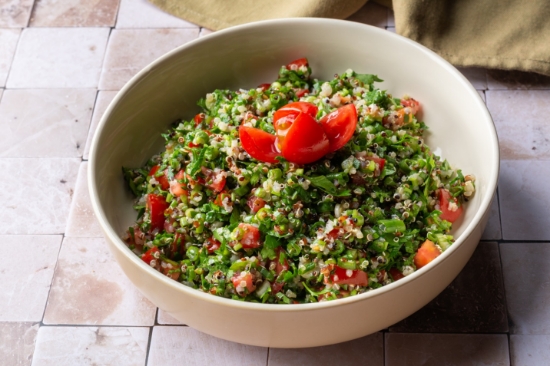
(368, 78)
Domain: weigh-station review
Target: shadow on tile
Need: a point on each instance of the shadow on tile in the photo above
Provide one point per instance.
(473, 303)
(513, 79)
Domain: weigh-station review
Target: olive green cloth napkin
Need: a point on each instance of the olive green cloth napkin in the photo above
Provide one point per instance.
(500, 34)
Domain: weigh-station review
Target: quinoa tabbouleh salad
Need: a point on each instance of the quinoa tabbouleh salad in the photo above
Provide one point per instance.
(297, 191)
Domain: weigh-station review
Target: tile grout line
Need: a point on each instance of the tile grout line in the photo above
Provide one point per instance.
(149, 344)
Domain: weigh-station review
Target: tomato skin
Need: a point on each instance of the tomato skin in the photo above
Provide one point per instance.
(396, 274)
(199, 118)
(245, 277)
(156, 204)
(426, 253)
(340, 126)
(259, 144)
(149, 255)
(445, 197)
(249, 236)
(212, 245)
(163, 181)
(296, 64)
(294, 109)
(339, 276)
(305, 141)
(255, 203)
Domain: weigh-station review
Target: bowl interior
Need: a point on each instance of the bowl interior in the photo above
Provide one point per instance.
(246, 56)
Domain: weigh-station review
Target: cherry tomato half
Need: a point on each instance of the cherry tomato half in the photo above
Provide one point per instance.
(340, 126)
(259, 144)
(305, 141)
(426, 253)
(156, 204)
(449, 206)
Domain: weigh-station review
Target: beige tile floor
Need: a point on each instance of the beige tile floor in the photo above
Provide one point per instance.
(63, 299)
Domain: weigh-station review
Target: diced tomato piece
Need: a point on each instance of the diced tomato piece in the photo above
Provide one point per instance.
(199, 118)
(163, 181)
(296, 64)
(177, 245)
(243, 280)
(413, 104)
(259, 144)
(342, 276)
(276, 287)
(305, 141)
(396, 274)
(340, 125)
(151, 254)
(176, 188)
(255, 203)
(156, 204)
(248, 236)
(381, 162)
(212, 245)
(264, 87)
(221, 197)
(301, 92)
(426, 253)
(215, 179)
(280, 266)
(449, 206)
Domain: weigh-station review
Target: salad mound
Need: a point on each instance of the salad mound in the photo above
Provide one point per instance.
(297, 191)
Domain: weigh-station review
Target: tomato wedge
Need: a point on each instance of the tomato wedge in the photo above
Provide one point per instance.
(342, 276)
(156, 205)
(449, 206)
(163, 181)
(340, 126)
(259, 144)
(305, 141)
(296, 64)
(426, 253)
(285, 116)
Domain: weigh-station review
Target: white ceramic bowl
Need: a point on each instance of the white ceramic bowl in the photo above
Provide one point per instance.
(246, 56)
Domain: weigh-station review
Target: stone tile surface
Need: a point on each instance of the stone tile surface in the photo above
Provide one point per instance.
(363, 351)
(522, 124)
(26, 275)
(36, 198)
(74, 13)
(446, 349)
(58, 58)
(130, 50)
(15, 13)
(165, 318)
(371, 14)
(45, 122)
(205, 32)
(90, 288)
(528, 350)
(101, 104)
(527, 283)
(143, 14)
(171, 344)
(391, 18)
(524, 199)
(17, 346)
(68, 346)
(473, 303)
(512, 79)
(8, 43)
(82, 221)
(493, 229)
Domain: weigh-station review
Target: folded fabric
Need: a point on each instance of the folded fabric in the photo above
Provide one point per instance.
(500, 34)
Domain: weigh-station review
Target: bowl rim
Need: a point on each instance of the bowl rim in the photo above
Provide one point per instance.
(117, 242)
